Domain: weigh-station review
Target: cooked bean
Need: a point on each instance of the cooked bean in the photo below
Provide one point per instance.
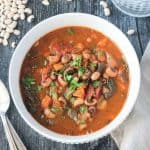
(95, 76)
(61, 81)
(63, 100)
(49, 114)
(111, 61)
(86, 75)
(53, 59)
(74, 56)
(84, 116)
(86, 54)
(78, 102)
(46, 82)
(111, 72)
(91, 103)
(66, 58)
(53, 76)
(92, 110)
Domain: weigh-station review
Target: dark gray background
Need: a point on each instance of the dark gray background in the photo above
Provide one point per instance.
(32, 140)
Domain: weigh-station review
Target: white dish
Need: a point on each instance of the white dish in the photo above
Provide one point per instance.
(74, 19)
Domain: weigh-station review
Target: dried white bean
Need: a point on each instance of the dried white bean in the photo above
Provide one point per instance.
(17, 32)
(18, 2)
(30, 18)
(8, 21)
(21, 10)
(13, 44)
(2, 33)
(6, 35)
(21, 6)
(13, 25)
(10, 12)
(131, 32)
(45, 2)
(22, 16)
(3, 26)
(9, 30)
(24, 1)
(28, 11)
(5, 42)
(16, 16)
(107, 11)
(14, 10)
(104, 4)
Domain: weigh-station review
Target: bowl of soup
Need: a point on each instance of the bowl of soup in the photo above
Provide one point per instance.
(74, 78)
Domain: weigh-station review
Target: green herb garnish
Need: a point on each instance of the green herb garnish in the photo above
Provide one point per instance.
(28, 81)
(77, 62)
(39, 88)
(83, 109)
(72, 99)
(54, 109)
(70, 31)
(73, 85)
(96, 84)
(53, 91)
(101, 53)
(53, 84)
(81, 71)
(93, 65)
(68, 77)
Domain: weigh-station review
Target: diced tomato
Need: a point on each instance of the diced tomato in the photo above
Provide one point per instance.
(46, 102)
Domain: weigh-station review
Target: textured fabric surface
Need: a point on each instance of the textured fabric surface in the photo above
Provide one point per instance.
(134, 133)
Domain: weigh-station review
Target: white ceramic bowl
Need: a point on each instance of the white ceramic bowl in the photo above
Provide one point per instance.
(74, 19)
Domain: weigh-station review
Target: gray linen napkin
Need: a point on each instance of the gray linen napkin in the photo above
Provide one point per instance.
(134, 133)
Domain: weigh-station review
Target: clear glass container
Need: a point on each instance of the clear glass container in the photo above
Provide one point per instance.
(136, 8)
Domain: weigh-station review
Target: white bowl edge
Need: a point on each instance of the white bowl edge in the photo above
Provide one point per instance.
(75, 19)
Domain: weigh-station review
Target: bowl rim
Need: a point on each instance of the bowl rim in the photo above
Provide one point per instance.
(65, 138)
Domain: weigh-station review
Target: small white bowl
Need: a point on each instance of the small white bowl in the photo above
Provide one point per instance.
(74, 19)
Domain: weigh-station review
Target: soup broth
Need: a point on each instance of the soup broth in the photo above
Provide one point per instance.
(74, 80)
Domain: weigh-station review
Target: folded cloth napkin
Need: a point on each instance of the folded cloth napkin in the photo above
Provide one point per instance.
(134, 133)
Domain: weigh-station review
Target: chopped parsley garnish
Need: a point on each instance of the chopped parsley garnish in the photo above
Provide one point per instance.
(93, 65)
(73, 85)
(39, 88)
(54, 109)
(96, 84)
(81, 71)
(70, 31)
(28, 81)
(83, 109)
(77, 62)
(101, 53)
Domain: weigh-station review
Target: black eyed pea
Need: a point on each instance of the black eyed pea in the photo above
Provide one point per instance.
(95, 76)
